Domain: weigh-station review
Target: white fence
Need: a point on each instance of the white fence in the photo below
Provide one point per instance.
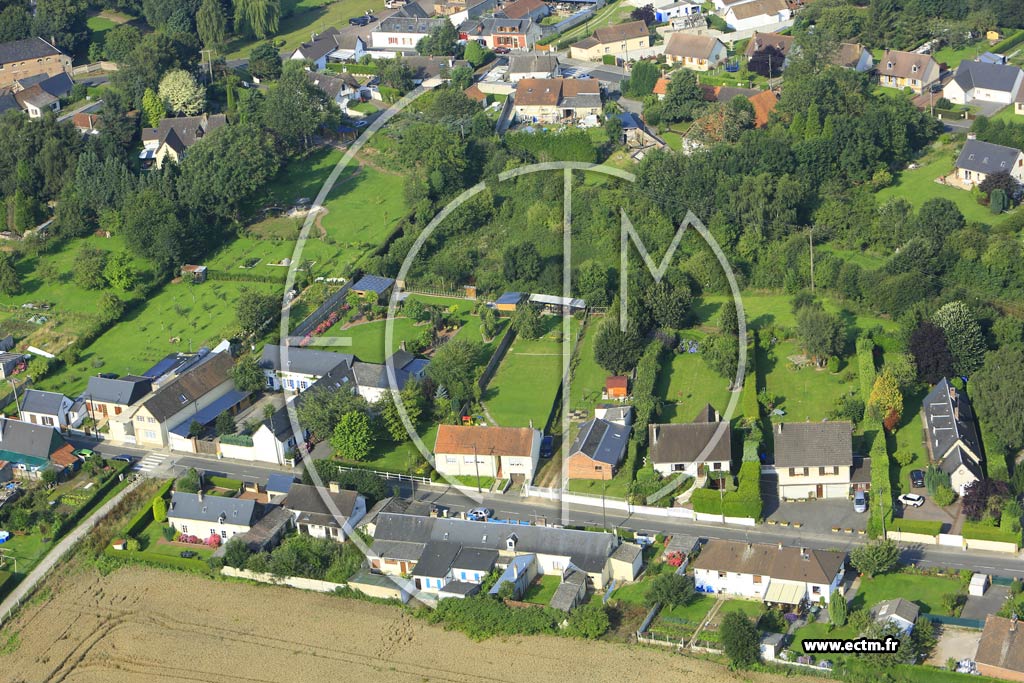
(619, 504)
(293, 581)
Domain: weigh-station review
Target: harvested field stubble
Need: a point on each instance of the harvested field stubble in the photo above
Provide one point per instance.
(140, 624)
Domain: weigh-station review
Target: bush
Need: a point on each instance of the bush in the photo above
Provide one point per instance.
(866, 365)
(745, 501)
(481, 617)
(944, 496)
(934, 479)
(225, 483)
(168, 532)
(904, 458)
(982, 531)
(916, 526)
(833, 364)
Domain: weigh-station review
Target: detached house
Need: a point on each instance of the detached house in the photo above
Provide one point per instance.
(756, 14)
(778, 575)
(900, 70)
(899, 612)
(499, 452)
(551, 100)
(775, 45)
(197, 514)
(314, 517)
(619, 40)
(172, 138)
(978, 160)
(853, 56)
(813, 459)
(501, 32)
(953, 444)
(41, 93)
(317, 49)
(51, 409)
(597, 450)
(402, 34)
(696, 448)
(984, 82)
(29, 57)
(340, 88)
(697, 53)
(532, 66)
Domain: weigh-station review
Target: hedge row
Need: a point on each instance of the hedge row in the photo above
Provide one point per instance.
(917, 526)
(225, 482)
(237, 439)
(142, 519)
(225, 275)
(1009, 42)
(748, 403)
(880, 514)
(983, 532)
(644, 401)
(866, 364)
(745, 501)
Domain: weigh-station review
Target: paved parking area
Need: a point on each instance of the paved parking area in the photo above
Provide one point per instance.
(816, 515)
(980, 606)
(956, 643)
(929, 512)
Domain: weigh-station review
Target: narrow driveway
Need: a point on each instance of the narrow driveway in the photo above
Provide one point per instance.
(58, 552)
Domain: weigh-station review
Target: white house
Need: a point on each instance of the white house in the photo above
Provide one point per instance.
(757, 14)
(984, 82)
(315, 517)
(679, 447)
(402, 34)
(775, 574)
(319, 48)
(271, 442)
(295, 369)
(813, 460)
(51, 409)
(533, 66)
(499, 452)
(197, 514)
(665, 10)
(978, 160)
(953, 444)
(697, 53)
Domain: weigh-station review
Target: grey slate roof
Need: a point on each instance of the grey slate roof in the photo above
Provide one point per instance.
(568, 592)
(683, 443)
(475, 559)
(8, 102)
(950, 420)
(182, 132)
(787, 563)
(308, 501)
(463, 588)
(302, 360)
(376, 375)
(122, 391)
(322, 44)
(25, 438)
(280, 483)
(437, 558)
(586, 549)
(58, 85)
(189, 506)
(431, 67)
(985, 157)
(814, 444)
(536, 63)
(602, 441)
(28, 48)
(279, 424)
(1001, 77)
(627, 552)
(400, 24)
(898, 607)
(42, 402)
(333, 85)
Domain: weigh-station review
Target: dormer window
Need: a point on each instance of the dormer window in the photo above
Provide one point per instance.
(914, 69)
(890, 65)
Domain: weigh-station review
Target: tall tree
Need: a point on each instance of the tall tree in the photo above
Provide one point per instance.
(10, 281)
(212, 24)
(837, 609)
(153, 108)
(443, 39)
(454, 367)
(963, 335)
(740, 640)
(182, 93)
(15, 22)
(932, 357)
(998, 394)
(63, 21)
(886, 400)
(257, 18)
(265, 62)
(253, 309)
(353, 437)
(822, 333)
(295, 109)
(683, 97)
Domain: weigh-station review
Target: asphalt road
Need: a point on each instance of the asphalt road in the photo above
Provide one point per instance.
(533, 509)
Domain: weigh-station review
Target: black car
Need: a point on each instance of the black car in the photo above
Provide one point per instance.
(360, 21)
(188, 554)
(125, 458)
(917, 478)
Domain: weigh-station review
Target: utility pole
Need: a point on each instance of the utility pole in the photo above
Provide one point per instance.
(14, 388)
(209, 62)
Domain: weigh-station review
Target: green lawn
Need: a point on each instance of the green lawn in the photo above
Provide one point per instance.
(402, 457)
(918, 185)
(368, 338)
(910, 438)
(524, 388)
(543, 589)
(926, 591)
(616, 487)
(632, 593)
(952, 58)
(484, 483)
(694, 612)
(307, 16)
(748, 607)
(865, 260)
(194, 315)
(1008, 114)
(775, 309)
(152, 542)
(673, 139)
(817, 631)
(587, 377)
(612, 13)
(806, 393)
(98, 26)
(686, 384)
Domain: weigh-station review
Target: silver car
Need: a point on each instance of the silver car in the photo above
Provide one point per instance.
(860, 502)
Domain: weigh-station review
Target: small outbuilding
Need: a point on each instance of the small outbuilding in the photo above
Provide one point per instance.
(979, 584)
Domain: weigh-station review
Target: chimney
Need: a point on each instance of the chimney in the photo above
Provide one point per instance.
(780, 545)
(515, 571)
(655, 431)
(1013, 623)
(779, 430)
(401, 345)
(334, 487)
(200, 494)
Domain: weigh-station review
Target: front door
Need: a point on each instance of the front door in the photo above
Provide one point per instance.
(701, 469)
(819, 491)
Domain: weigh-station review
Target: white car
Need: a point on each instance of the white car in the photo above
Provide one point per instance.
(911, 500)
(479, 514)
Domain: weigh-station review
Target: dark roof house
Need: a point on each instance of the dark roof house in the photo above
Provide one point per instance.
(814, 444)
(987, 158)
(214, 509)
(309, 506)
(682, 443)
(188, 388)
(999, 77)
(302, 361)
(952, 435)
(601, 441)
(787, 563)
(121, 391)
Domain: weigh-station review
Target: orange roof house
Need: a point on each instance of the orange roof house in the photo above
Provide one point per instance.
(661, 87)
(498, 452)
(764, 103)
